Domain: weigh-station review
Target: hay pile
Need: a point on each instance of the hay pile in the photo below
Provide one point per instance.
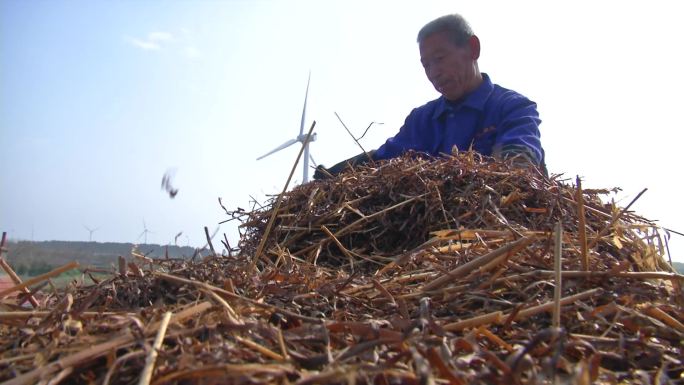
(414, 271)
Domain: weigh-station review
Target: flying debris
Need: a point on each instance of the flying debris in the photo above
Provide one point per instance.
(166, 183)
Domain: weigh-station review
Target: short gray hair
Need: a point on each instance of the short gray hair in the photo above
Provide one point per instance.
(455, 25)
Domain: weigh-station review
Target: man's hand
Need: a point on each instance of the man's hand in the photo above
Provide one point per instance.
(325, 173)
(322, 173)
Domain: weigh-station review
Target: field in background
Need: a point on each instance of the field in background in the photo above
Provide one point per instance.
(30, 259)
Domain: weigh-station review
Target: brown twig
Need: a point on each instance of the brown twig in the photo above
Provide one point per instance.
(264, 238)
(582, 226)
(40, 278)
(154, 351)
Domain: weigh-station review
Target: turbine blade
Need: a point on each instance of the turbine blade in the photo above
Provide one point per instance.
(282, 146)
(306, 98)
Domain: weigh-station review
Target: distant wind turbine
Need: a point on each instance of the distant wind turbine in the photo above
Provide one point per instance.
(90, 232)
(301, 138)
(145, 232)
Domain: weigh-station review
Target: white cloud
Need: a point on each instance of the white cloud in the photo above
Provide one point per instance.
(153, 42)
(159, 36)
(143, 44)
(158, 40)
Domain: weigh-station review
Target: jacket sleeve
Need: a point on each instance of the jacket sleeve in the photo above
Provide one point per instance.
(407, 138)
(519, 131)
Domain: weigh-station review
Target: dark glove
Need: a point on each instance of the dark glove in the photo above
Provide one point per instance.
(324, 173)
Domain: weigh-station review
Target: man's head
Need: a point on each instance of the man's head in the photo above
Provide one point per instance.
(449, 51)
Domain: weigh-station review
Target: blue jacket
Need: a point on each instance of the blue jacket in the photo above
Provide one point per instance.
(491, 120)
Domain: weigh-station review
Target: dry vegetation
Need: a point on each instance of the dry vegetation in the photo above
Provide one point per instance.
(413, 271)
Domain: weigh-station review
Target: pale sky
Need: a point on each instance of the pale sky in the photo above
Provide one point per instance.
(98, 99)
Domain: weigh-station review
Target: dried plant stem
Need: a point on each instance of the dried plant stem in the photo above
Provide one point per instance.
(664, 317)
(279, 200)
(604, 274)
(265, 351)
(211, 245)
(465, 269)
(545, 307)
(8, 315)
(40, 278)
(582, 226)
(497, 316)
(485, 319)
(384, 291)
(232, 315)
(370, 158)
(17, 281)
(614, 220)
(482, 330)
(341, 247)
(224, 371)
(558, 251)
(152, 355)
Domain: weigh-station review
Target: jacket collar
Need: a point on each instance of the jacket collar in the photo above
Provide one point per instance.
(475, 100)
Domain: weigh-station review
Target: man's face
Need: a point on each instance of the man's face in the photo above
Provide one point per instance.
(451, 69)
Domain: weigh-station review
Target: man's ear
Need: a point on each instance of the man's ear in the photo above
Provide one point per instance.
(474, 44)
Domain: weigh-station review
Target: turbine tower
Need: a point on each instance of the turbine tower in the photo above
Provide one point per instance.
(145, 232)
(90, 232)
(301, 138)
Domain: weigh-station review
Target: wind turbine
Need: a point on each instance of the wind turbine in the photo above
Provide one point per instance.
(90, 231)
(145, 232)
(301, 138)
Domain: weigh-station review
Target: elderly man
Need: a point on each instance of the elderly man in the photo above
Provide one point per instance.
(471, 113)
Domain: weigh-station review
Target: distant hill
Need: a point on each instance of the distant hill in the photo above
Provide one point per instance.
(31, 258)
(679, 266)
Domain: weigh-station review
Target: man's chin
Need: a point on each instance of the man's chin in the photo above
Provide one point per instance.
(453, 96)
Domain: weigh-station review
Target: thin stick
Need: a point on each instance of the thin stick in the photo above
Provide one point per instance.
(211, 245)
(370, 158)
(545, 307)
(232, 315)
(340, 246)
(602, 274)
(557, 251)
(3, 242)
(498, 316)
(264, 237)
(482, 330)
(152, 355)
(40, 278)
(614, 220)
(16, 279)
(463, 270)
(281, 343)
(261, 349)
(8, 315)
(664, 317)
(484, 319)
(384, 291)
(582, 226)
